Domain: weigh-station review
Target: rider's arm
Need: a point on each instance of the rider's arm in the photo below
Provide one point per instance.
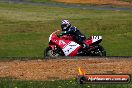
(66, 32)
(70, 31)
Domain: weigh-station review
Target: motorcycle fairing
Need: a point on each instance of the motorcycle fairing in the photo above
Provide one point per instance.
(68, 46)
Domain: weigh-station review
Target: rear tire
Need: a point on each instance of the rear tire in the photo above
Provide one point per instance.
(100, 51)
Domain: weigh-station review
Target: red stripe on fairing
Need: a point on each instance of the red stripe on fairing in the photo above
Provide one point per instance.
(74, 53)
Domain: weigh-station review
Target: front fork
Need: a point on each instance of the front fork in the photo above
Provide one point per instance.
(54, 48)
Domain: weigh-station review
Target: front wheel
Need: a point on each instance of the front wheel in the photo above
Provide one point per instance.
(48, 52)
(99, 51)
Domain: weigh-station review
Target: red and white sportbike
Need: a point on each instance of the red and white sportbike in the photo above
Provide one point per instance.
(66, 46)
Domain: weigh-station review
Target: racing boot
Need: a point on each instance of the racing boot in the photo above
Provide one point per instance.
(80, 53)
(85, 47)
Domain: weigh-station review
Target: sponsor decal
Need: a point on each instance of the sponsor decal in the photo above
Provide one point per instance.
(61, 42)
(70, 48)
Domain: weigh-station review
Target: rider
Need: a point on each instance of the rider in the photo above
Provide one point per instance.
(68, 29)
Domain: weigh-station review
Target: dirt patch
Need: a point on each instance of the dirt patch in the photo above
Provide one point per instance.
(62, 68)
(98, 2)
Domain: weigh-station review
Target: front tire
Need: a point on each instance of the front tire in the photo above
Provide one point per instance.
(48, 52)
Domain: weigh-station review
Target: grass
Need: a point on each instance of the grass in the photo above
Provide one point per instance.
(51, 0)
(40, 0)
(8, 83)
(127, 0)
(24, 29)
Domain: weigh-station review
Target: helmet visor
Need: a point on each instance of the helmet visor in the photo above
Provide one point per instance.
(64, 27)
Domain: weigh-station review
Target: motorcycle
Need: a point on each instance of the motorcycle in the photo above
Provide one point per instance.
(66, 46)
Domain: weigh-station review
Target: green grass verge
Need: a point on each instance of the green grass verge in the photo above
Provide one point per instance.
(126, 0)
(40, 0)
(24, 29)
(8, 83)
(51, 0)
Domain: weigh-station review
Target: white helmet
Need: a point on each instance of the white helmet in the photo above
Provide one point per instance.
(65, 24)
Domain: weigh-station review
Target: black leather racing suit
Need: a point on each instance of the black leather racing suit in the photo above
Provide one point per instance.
(77, 35)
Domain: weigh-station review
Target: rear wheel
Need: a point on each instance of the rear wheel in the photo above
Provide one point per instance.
(99, 51)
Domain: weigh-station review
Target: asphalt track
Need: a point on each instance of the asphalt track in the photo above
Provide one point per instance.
(90, 7)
